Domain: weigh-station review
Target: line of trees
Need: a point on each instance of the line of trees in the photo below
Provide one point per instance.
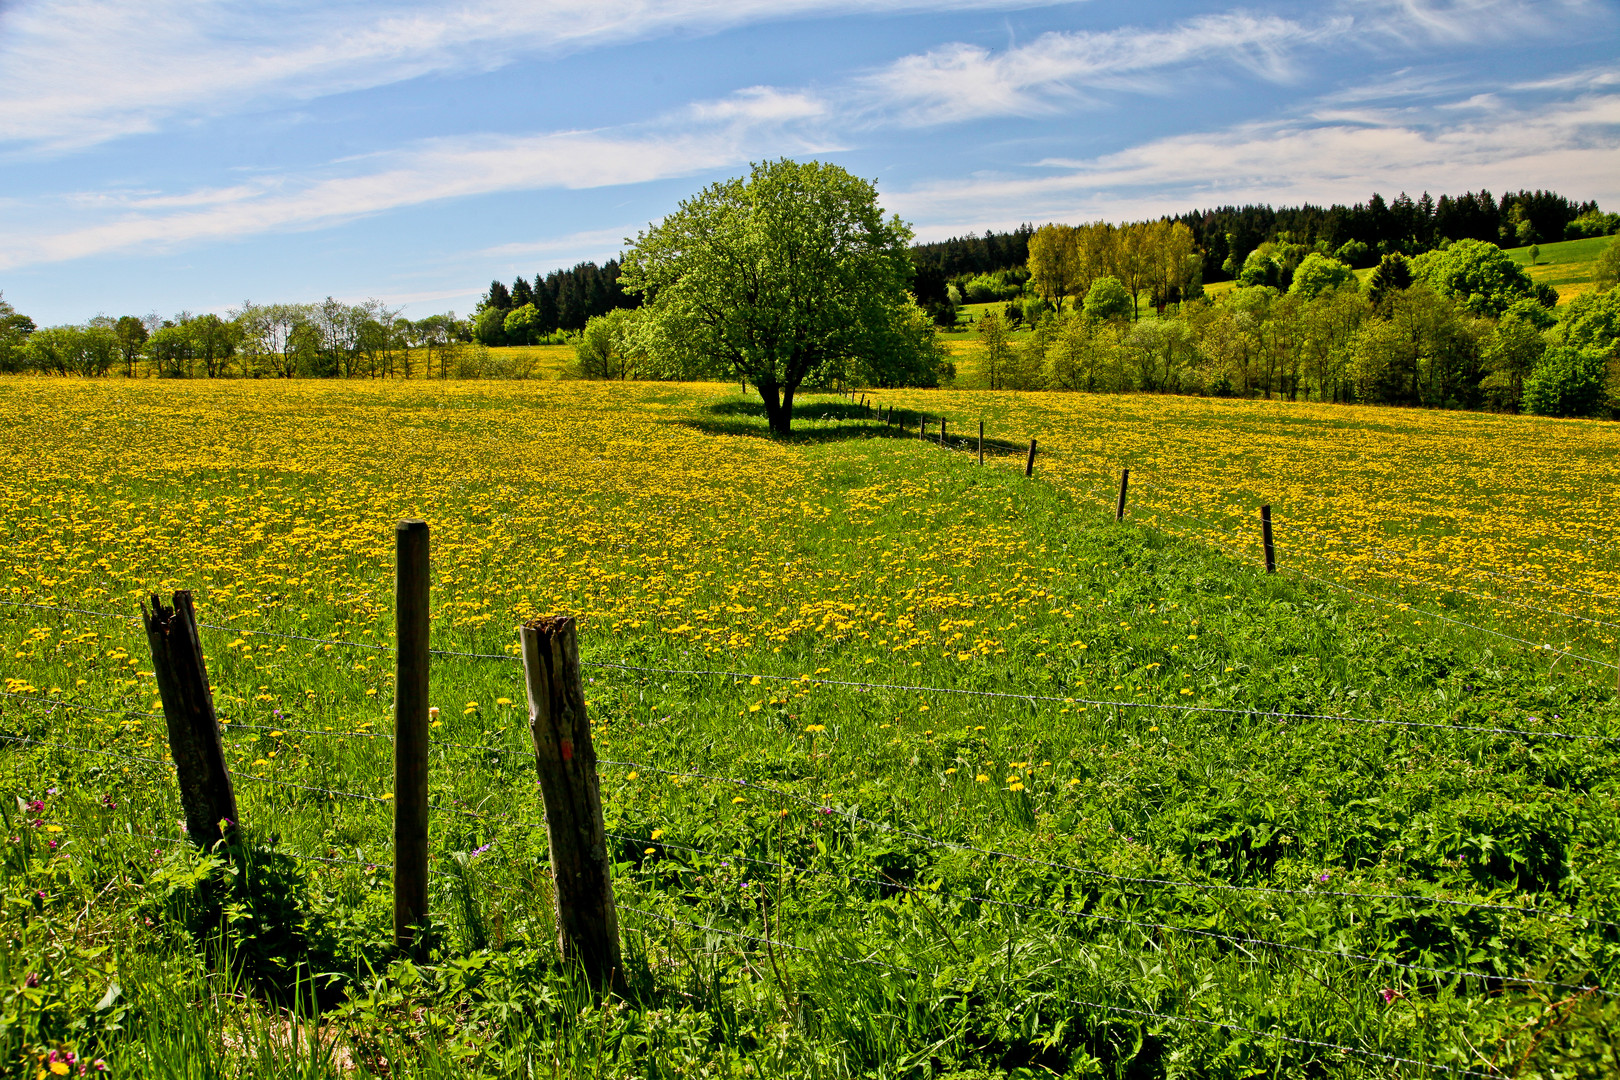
(545, 310)
(1358, 234)
(328, 339)
(1457, 327)
(1159, 258)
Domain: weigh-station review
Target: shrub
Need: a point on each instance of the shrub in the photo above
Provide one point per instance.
(1567, 382)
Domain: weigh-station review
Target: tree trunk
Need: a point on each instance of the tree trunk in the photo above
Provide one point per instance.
(778, 408)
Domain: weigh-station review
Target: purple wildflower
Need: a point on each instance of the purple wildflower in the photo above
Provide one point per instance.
(1323, 876)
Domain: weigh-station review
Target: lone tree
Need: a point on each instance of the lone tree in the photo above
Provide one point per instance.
(791, 274)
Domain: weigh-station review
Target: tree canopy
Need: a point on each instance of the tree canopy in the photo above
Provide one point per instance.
(1479, 275)
(791, 273)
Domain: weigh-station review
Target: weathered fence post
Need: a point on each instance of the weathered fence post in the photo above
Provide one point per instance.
(206, 794)
(1029, 466)
(942, 431)
(981, 442)
(1124, 487)
(410, 730)
(1265, 539)
(922, 427)
(587, 921)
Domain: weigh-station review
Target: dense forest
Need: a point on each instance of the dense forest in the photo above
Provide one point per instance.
(1358, 235)
(538, 311)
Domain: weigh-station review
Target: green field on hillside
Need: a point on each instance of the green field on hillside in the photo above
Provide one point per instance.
(912, 767)
(1570, 266)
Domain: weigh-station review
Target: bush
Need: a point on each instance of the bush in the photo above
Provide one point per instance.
(1567, 382)
(1107, 299)
(1590, 224)
(1319, 274)
(1354, 253)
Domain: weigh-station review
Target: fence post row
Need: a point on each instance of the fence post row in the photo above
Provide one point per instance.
(206, 794)
(1029, 466)
(1124, 486)
(1265, 539)
(587, 920)
(410, 730)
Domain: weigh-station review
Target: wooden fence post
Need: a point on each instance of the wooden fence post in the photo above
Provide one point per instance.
(1265, 539)
(981, 442)
(587, 920)
(922, 427)
(206, 794)
(1029, 466)
(410, 730)
(1124, 486)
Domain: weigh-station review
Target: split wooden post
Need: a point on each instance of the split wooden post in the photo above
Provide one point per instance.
(410, 730)
(587, 920)
(922, 427)
(981, 442)
(1124, 487)
(206, 795)
(942, 431)
(1265, 539)
(1029, 466)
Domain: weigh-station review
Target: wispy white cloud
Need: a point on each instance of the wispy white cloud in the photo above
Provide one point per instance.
(78, 72)
(1412, 23)
(1414, 128)
(600, 241)
(1571, 144)
(962, 82)
(706, 136)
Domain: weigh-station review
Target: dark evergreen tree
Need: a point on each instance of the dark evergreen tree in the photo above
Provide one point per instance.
(498, 297)
(1393, 274)
(521, 293)
(545, 303)
(570, 304)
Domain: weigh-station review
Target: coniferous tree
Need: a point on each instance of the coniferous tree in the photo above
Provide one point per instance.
(521, 293)
(498, 297)
(545, 305)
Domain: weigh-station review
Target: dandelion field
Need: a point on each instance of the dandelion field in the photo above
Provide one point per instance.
(1370, 856)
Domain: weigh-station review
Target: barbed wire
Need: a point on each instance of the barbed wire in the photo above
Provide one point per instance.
(768, 942)
(1089, 872)
(1455, 1070)
(275, 848)
(1494, 1074)
(1168, 882)
(1407, 606)
(1103, 703)
(1442, 586)
(1146, 924)
(1100, 702)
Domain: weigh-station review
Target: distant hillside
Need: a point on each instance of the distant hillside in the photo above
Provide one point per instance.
(1358, 233)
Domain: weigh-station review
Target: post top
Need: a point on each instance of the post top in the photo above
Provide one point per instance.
(411, 526)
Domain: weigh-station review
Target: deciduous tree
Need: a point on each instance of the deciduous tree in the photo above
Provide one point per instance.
(789, 273)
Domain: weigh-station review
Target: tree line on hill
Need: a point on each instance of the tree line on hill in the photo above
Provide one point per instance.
(547, 309)
(1459, 326)
(329, 339)
(1358, 234)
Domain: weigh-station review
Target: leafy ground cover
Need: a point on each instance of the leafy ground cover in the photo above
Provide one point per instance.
(1220, 824)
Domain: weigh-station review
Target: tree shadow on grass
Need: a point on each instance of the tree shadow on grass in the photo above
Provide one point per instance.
(838, 421)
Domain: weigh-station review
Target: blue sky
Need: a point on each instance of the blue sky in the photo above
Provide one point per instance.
(195, 154)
